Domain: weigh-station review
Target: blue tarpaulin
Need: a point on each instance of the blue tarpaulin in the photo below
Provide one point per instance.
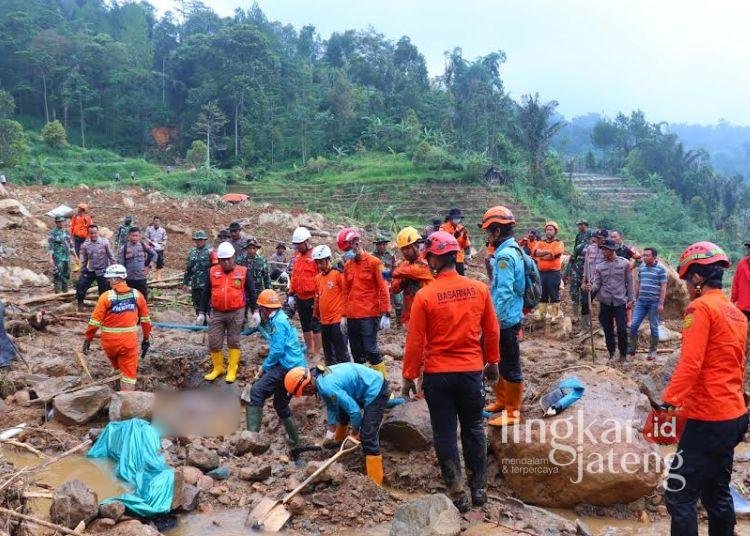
(134, 446)
(564, 395)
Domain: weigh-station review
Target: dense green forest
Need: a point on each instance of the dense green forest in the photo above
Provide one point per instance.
(242, 98)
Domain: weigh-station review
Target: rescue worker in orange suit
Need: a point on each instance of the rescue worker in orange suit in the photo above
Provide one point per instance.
(707, 390)
(79, 226)
(118, 313)
(230, 288)
(548, 256)
(302, 291)
(410, 274)
(454, 334)
(452, 225)
(367, 303)
(329, 307)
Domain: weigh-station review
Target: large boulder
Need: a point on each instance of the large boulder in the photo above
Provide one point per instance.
(48, 388)
(251, 442)
(276, 218)
(81, 406)
(654, 383)
(56, 366)
(592, 453)
(432, 515)
(677, 295)
(131, 405)
(407, 427)
(72, 503)
(14, 207)
(15, 277)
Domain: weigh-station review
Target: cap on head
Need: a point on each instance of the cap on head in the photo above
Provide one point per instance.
(128, 220)
(252, 243)
(702, 253)
(321, 252)
(300, 234)
(59, 218)
(497, 214)
(381, 239)
(582, 222)
(115, 270)
(200, 235)
(441, 243)
(280, 245)
(455, 212)
(225, 250)
(269, 299)
(609, 244)
(224, 233)
(407, 236)
(234, 226)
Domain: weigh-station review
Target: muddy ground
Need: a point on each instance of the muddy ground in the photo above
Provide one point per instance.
(178, 360)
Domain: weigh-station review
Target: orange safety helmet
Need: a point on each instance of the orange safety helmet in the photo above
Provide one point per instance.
(296, 380)
(269, 299)
(497, 214)
(701, 253)
(341, 240)
(440, 243)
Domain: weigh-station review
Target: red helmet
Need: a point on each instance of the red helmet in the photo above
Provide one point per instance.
(440, 243)
(701, 253)
(497, 214)
(341, 240)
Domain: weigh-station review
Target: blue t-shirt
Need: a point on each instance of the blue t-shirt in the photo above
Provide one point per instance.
(651, 278)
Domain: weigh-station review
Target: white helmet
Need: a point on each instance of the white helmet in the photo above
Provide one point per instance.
(225, 250)
(321, 252)
(300, 234)
(115, 270)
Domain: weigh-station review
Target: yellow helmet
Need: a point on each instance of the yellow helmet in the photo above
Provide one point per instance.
(407, 236)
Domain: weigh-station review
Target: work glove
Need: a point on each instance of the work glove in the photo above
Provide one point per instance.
(491, 373)
(408, 387)
(255, 320)
(291, 301)
(86, 346)
(145, 345)
(385, 323)
(343, 326)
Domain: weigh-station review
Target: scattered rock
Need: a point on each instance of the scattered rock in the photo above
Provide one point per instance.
(56, 366)
(190, 474)
(48, 388)
(653, 384)
(131, 405)
(133, 527)
(81, 406)
(255, 473)
(433, 515)
(323, 499)
(22, 397)
(396, 351)
(407, 427)
(277, 218)
(73, 502)
(335, 473)
(190, 496)
(205, 483)
(202, 458)
(103, 524)
(220, 473)
(251, 442)
(94, 433)
(14, 207)
(112, 510)
(296, 505)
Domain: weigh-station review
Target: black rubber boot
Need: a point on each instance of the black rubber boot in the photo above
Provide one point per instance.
(478, 497)
(253, 418)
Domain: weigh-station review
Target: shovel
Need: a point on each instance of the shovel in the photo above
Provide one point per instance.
(270, 515)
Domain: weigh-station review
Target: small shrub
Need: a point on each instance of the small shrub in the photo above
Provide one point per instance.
(54, 135)
(316, 165)
(196, 155)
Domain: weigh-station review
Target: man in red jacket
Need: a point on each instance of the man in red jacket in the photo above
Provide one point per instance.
(302, 289)
(707, 390)
(741, 288)
(454, 335)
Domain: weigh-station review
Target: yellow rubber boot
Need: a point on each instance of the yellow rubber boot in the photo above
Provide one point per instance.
(374, 467)
(380, 367)
(234, 362)
(512, 413)
(540, 312)
(217, 358)
(499, 403)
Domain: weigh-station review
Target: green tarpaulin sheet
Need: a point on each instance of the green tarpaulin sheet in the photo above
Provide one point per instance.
(134, 446)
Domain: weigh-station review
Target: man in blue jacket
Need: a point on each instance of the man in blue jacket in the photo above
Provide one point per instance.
(507, 288)
(284, 353)
(355, 396)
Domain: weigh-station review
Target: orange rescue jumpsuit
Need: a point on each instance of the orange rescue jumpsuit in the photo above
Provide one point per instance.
(409, 277)
(118, 313)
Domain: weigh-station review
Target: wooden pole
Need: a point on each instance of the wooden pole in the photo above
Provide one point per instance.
(37, 521)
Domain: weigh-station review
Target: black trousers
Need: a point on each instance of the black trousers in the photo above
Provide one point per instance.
(609, 317)
(159, 259)
(363, 339)
(460, 268)
(453, 398)
(85, 281)
(702, 470)
(141, 285)
(335, 345)
(510, 364)
(550, 286)
(306, 318)
(271, 384)
(585, 309)
(77, 243)
(372, 417)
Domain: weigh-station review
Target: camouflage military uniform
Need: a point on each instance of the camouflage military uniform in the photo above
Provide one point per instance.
(196, 276)
(59, 244)
(389, 264)
(574, 268)
(122, 235)
(258, 268)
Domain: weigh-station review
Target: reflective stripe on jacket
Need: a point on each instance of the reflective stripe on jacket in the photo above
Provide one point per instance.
(118, 311)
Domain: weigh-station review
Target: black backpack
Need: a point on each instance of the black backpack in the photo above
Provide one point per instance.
(532, 293)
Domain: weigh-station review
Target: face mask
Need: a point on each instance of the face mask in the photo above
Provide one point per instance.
(456, 220)
(348, 255)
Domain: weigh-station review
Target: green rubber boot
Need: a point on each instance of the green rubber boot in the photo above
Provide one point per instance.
(291, 431)
(253, 418)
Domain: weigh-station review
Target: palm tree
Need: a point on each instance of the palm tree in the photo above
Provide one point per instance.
(537, 125)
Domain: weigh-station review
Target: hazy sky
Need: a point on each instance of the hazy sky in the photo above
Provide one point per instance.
(679, 61)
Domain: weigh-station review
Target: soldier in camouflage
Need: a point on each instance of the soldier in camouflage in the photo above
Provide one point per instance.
(573, 275)
(256, 264)
(389, 264)
(195, 279)
(60, 248)
(122, 232)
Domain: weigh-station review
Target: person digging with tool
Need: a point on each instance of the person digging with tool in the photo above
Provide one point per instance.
(117, 314)
(454, 335)
(302, 291)
(284, 354)
(707, 390)
(329, 307)
(355, 397)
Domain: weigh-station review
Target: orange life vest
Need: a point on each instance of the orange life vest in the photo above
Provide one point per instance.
(227, 289)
